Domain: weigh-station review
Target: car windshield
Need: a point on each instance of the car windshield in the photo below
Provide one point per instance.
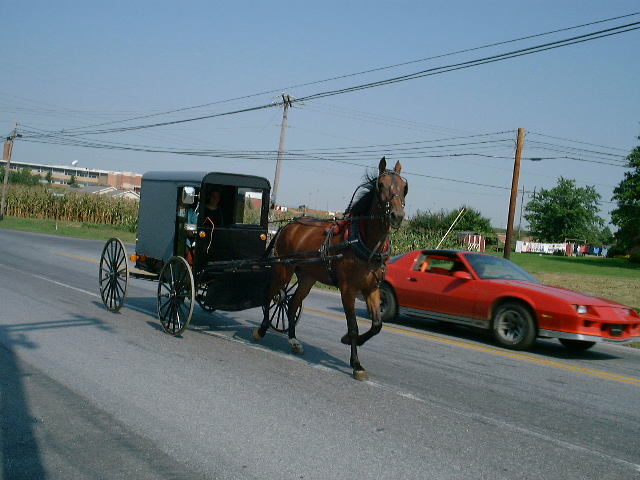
(488, 267)
(396, 257)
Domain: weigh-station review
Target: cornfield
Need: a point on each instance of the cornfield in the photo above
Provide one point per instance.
(38, 202)
(406, 239)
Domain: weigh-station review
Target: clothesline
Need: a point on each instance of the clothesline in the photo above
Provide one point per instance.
(569, 249)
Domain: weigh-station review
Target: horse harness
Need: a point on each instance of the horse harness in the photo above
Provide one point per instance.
(354, 238)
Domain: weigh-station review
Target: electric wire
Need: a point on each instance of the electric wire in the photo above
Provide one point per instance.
(432, 71)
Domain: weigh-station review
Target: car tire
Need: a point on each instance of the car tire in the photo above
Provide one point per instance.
(576, 345)
(388, 304)
(513, 326)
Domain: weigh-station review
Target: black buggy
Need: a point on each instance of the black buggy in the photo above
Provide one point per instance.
(220, 262)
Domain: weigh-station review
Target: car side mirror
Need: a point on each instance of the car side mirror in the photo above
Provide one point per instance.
(463, 275)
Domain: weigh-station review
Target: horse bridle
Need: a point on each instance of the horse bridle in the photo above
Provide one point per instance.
(386, 206)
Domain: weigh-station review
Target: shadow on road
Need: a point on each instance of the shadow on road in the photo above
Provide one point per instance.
(48, 431)
(20, 453)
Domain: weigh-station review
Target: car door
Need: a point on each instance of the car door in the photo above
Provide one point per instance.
(432, 287)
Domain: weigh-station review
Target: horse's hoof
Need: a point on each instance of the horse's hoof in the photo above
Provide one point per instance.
(296, 347)
(256, 334)
(360, 375)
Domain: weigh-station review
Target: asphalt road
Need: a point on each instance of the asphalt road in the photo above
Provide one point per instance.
(89, 394)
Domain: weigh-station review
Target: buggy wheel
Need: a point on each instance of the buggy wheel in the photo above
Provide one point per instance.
(113, 274)
(201, 297)
(278, 307)
(176, 294)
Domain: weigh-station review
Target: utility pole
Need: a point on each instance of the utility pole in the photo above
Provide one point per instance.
(514, 194)
(6, 156)
(286, 100)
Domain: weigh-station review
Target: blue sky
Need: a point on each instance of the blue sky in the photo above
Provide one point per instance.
(70, 65)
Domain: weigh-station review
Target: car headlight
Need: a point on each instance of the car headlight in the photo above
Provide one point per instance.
(582, 309)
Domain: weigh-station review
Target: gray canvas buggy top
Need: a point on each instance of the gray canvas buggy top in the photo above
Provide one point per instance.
(171, 209)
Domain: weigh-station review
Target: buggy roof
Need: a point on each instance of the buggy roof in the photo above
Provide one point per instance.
(219, 178)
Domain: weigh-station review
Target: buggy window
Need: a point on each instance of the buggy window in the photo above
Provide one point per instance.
(248, 209)
(237, 206)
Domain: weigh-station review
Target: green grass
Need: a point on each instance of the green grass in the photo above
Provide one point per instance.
(594, 266)
(61, 228)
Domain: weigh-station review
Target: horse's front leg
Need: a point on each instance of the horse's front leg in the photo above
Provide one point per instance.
(351, 337)
(372, 298)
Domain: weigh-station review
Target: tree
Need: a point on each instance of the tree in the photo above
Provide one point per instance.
(566, 211)
(22, 177)
(49, 177)
(73, 182)
(627, 195)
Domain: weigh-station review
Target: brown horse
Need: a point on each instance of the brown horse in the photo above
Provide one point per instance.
(350, 254)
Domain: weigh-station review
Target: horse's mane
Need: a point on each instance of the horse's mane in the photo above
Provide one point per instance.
(363, 196)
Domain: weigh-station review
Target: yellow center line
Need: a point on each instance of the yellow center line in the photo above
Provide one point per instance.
(458, 343)
(496, 351)
(75, 256)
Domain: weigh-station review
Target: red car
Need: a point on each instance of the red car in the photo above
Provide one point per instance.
(492, 293)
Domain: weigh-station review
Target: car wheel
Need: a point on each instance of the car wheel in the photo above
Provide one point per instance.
(576, 345)
(388, 304)
(513, 326)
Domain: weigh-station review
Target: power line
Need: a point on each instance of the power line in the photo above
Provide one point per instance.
(576, 141)
(429, 72)
(482, 61)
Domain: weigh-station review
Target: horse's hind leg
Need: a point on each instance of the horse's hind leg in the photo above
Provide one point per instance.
(281, 277)
(302, 290)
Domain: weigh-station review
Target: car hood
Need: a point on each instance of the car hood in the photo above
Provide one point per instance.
(570, 296)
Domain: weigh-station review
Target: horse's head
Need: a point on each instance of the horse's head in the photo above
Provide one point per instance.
(391, 189)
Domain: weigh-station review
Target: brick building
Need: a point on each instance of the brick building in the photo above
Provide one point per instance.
(85, 177)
